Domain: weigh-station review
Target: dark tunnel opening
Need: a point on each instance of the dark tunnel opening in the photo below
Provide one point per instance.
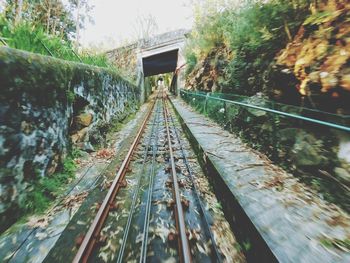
(160, 63)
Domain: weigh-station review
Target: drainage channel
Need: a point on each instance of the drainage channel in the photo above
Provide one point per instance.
(160, 206)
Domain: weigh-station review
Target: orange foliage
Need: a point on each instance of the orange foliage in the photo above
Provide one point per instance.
(321, 55)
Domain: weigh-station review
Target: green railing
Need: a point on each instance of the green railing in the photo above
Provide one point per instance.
(304, 141)
(3, 41)
(294, 112)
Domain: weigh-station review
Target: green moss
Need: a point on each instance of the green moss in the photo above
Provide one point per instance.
(76, 153)
(36, 75)
(70, 96)
(342, 244)
(246, 246)
(118, 125)
(34, 38)
(46, 81)
(44, 191)
(218, 206)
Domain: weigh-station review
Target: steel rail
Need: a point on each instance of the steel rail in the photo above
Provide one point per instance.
(196, 191)
(92, 235)
(286, 114)
(184, 249)
(137, 188)
(143, 256)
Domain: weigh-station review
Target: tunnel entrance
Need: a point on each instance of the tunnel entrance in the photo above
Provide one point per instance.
(160, 63)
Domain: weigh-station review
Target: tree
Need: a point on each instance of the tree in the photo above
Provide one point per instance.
(145, 26)
(49, 13)
(82, 8)
(52, 15)
(18, 11)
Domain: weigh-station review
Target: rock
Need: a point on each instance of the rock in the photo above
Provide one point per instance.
(84, 155)
(74, 138)
(306, 155)
(26, 127)
(257, 100)
(307, 150)
(52, 166)
(85, 146)
(83, 120)
(97, 134)
(344, 147)
(29, 170)
(39, 114)
(343, 174)
(80, 135)
(302, 147)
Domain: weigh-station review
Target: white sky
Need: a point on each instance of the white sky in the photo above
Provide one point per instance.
(115, 19)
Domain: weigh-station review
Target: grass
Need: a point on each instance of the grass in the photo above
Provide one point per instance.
(25, 36)
(70, 96)
(336, 243)
(120, 124)
(253, 33)
(45, 190)
(246, 246)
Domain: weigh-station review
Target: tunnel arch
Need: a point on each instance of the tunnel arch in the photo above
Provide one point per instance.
(159, 54)
(160, 63)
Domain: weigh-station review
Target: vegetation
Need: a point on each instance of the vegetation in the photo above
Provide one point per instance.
(343, 245)
(35, 75)
(45, 190)
(53, 36)
(25, 36)
(290, 51)
(252, 32)
(305, 150)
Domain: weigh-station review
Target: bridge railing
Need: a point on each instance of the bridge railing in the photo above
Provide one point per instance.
(312, 144)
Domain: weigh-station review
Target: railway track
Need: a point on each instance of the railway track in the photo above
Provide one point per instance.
(154, 210)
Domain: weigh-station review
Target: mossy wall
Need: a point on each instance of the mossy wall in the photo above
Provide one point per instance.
(40, 100)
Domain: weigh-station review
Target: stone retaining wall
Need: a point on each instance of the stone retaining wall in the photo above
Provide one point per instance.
(45, 105)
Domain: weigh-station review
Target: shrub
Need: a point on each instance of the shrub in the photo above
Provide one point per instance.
(46, 189)
(26, 36)
(255, 33)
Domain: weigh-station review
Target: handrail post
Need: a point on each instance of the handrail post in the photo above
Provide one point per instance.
(274, 136)
(225, 116)
(206, 104)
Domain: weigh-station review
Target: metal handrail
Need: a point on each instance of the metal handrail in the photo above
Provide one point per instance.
(277, 104)
(307, 119)
(52, 55)
(3, 40)
(46, 48)
(77, 55)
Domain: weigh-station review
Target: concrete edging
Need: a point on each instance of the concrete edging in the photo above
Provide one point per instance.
(274, 216)
(244, 230)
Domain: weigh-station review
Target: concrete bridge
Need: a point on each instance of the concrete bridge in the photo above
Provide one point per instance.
(157, 55)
